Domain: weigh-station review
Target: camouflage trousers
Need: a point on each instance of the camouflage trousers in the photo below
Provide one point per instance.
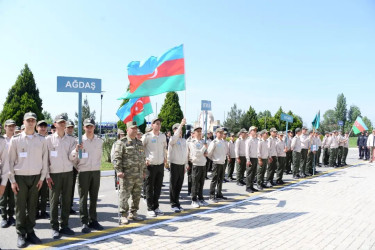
(130, 186)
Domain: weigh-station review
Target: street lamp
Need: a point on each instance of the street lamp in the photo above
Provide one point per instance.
(101, 108)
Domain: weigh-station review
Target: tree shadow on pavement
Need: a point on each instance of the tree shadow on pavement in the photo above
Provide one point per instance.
(260, 220)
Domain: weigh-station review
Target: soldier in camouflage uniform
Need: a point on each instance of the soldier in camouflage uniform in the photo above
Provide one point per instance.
(129, 163)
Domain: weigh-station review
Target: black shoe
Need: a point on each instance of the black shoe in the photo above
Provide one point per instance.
(221, 197)
(272, 183)
(67, 231)
(308, 174)
(72, 211)
(249, 190)
(242, 182)
(302, 175)
(295, 176)
(254, 189)
(85, 229)
(298, 176)
(207, 178)
(95, 225)
(280, 182)
(4, 223)
(232, 179)
(259, 187)
(162, 185)
(21, 241)
(239, 184)
(32, 238)
(11, 221)
(44, 215)
(55, 234)
(226, 180)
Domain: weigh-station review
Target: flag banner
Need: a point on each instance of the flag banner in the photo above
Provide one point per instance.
(157, 76)
(135, 110)
(359, 126)
(316, 121)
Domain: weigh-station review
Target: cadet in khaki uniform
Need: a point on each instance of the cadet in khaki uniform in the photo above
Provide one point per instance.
(333, 146)
(129, 163)
(281, 150)
(346, 148)
(273, 164)
(251, 159)
(69, 130)
(305, 140)
(155, 144)
(296, 147)
(89, 175)
(232, 157)
(325, 146)
(340, 149)
(217, 151)
(289, 153)
(240, 149)
(28, 164)
(60, 176)
(7, 201)
(312, 152)
(190, 164)
(264, 157)
(178, 160)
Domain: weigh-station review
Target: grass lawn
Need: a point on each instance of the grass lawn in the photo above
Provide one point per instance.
(352, 142)
(106, 165)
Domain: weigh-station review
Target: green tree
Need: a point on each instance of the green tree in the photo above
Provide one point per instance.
(329, 122)
(368, 123)
(22, 97)
(170, 112)
(267, 122)
(353, 113)
(249, 119)
(86, 113)
(341, 108)
(121, 125)
(47, 117)
(266, 113)
(234, 116)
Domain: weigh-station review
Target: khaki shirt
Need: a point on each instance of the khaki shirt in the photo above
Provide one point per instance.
(346, 143)
(252, 148)
(4, 162)
(177, 149)
(296, 144)
(60, 159)
(334, 142)
(305, 141)
(272, 145)
(240, 147)
(196, 152)
(217, 151)
(341, 140)
(28, 155)
(280, 147)
(232, 150)
(7, 139)
(318, 141)
(91, 154)
(155, 147)
(188, 141)
(263, 149)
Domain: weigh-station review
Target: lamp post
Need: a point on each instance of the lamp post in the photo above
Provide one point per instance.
(101, 108)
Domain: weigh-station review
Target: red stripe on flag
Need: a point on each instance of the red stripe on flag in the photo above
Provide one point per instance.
(359, 126)
(168, 68)
(137, 108)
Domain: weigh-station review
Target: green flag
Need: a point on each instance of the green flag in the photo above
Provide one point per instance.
(316, 121)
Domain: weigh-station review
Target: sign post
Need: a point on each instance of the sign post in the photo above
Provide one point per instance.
(80, 85)
(205, 106)
(287, 119)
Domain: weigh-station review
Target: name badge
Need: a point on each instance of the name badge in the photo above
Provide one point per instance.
(198, 145)
(23, 154)
(85, 155)
(178, 143)
(53, 154)
(153, 140)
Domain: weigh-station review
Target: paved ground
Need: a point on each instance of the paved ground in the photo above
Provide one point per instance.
(326, 212)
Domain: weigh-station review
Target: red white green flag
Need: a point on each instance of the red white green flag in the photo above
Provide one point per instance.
(359, 126)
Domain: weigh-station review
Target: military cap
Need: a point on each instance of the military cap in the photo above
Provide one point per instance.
(29, 115)
(131, 124)
(9, 122)
(243, 130)
(280, 133)
(197, 127)
(231, 134)
(225, 132)
(273, 130)
(88, 122)
(252, 128)
(218, 130)
(175, 126)
(263, 131)
(60, 118)
(348, 132)
(304, 128)
(334, 131)
(120, 132)
(18, 128)
(156, 119)
(298, 130)
(327, 133)
(289, 131)
(70, 124)
(22, 127)
(42, 123)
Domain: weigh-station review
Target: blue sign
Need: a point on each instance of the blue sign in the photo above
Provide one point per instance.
(341, 123)
(287, 118)
(78, 84)
(206, 105)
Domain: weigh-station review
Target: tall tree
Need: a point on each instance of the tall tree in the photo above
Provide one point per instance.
(22, 97)
(353, 113)
(47, 117)
(170, 112)
(368, 123)
(266, 113)
(249, 119)
(329, 122)
(86, 113)
(341, 108)
(233, 119)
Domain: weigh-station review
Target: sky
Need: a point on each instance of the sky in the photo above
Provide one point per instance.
(296, 54)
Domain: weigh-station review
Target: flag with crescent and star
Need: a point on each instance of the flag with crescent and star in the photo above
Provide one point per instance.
(157, 75)
(135, 110)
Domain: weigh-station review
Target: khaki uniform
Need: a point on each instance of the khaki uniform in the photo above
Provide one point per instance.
(333, 147)
(196, 154)
(217, 151)
(345, 150)
(7, 200)
(305, 140)
(129, 158)
(289, 154)
(252, 157)
(273, 165)
(296, 147)
(281, 158)
(88, 176)
(28, 164)
(263, 154)
(232, 156)
(240, 150)
(60, 170)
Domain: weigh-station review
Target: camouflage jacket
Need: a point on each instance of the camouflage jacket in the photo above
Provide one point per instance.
(129, 157)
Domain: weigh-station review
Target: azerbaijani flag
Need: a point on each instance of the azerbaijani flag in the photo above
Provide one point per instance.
(135, 110)
(157, 76)
(359, 126)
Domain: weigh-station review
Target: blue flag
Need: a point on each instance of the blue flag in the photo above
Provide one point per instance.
(316, 121)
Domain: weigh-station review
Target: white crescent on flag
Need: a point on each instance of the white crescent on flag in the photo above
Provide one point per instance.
(155, 73)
